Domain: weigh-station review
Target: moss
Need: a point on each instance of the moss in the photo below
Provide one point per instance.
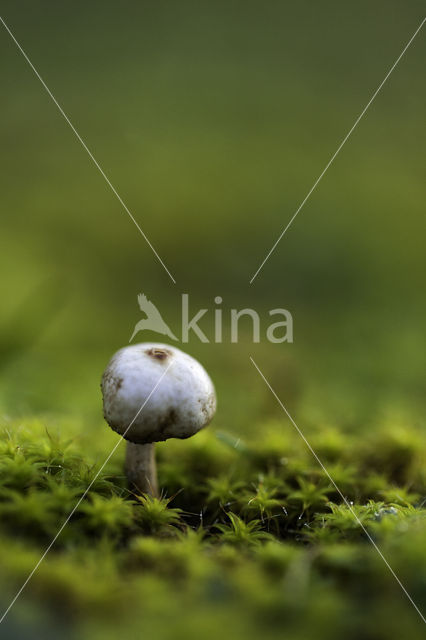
(248, 535)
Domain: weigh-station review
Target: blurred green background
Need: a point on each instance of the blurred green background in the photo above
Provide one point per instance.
(213, 120)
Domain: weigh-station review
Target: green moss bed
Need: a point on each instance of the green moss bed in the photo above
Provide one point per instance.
(249, 539)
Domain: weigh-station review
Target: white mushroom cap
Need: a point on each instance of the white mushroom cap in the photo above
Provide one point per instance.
(183, 403)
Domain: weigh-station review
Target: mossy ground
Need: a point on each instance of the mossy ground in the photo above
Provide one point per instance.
(248, 538)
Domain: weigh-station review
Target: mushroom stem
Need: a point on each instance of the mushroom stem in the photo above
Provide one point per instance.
(141, 469)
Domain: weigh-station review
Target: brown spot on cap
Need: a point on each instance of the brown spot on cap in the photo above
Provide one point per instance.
(158, 353)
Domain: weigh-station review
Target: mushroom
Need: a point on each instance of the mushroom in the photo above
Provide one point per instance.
(152, 392)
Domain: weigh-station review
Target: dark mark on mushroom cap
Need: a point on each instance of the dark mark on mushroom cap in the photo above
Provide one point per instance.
(158, 354)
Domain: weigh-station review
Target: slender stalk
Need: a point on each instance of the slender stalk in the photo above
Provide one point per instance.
(141, 469)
